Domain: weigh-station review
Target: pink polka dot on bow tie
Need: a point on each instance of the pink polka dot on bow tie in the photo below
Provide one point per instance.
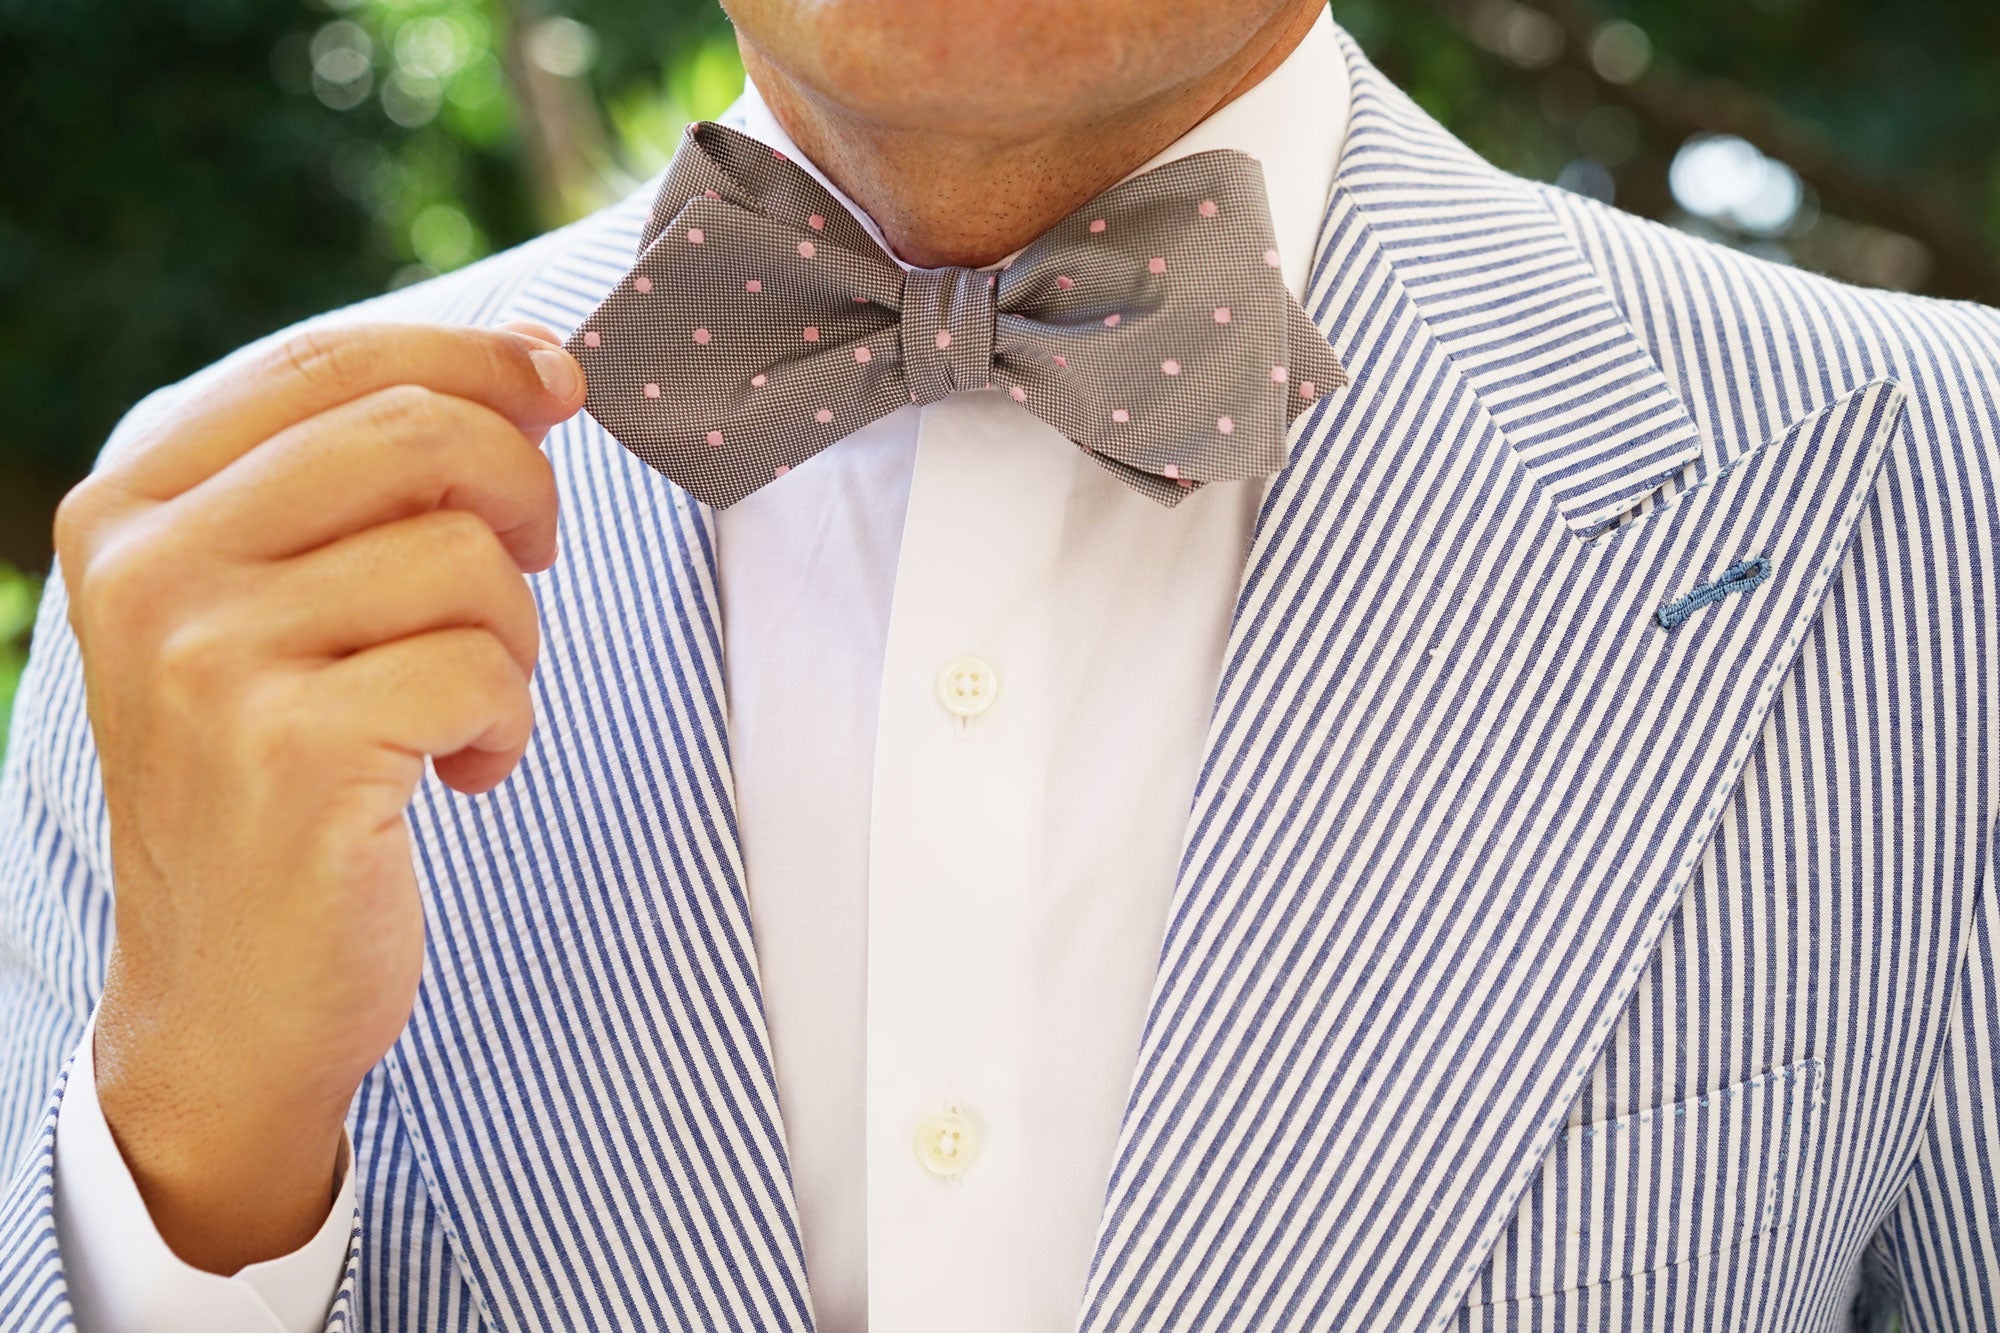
(696, 236)
(642, 285)
(1208, 208)
(1184, 483)
(1111, 321)
(701, 336)
(779, 153)
(758, 381)
(806, 250)
(711, 194)
(1170, 367)
(811, 334)
(1279, 374)
(1156, 264)
(1170, 471)
(1096, 225)
(590, 338)
(1120, 415)
(816, 222)
(863, 355)
(1225, 425)
(1065, 281)
(861, 300)
(778, 472)
(943, 339)
(715, 439)
(1062, 360)
(1270, 259)
(652, 391)
(1307, 389)
(823, 417)
(1222, 314)
(754, 286)
(1018, 394)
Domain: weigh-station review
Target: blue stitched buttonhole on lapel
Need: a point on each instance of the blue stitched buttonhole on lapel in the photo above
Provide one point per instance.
(1739, 577)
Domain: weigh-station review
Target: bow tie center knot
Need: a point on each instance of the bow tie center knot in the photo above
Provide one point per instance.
(947, 331)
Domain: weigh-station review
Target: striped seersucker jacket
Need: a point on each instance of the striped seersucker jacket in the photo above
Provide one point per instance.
(1535, 962)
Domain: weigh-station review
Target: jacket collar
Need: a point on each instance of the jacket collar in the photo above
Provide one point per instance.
(1456, 779)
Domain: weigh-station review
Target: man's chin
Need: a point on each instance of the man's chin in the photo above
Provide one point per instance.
(971, 68)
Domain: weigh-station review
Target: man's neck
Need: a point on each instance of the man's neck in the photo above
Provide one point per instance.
(962, 199)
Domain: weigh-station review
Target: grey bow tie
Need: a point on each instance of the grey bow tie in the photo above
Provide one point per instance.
(762, 324)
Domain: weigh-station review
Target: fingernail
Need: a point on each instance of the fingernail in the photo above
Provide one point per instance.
(559, 372)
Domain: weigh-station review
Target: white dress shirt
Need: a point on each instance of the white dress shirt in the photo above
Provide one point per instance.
(969, 678)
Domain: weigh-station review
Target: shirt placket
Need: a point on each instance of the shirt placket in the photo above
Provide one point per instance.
(962, 747)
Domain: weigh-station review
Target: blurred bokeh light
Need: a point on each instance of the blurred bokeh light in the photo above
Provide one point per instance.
(178, 177)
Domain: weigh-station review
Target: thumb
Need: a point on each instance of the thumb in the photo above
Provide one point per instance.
(530, 328)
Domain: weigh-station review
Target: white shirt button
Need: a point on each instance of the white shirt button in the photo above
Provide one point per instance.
(946, 1142)
(967, 685)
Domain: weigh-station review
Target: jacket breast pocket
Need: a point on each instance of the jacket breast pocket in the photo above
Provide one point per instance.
(1650, 1196)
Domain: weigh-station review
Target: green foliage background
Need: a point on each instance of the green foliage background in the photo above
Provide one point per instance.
(180, 176)
(18, 594)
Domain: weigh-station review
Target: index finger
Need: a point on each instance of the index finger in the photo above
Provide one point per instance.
(267, 387)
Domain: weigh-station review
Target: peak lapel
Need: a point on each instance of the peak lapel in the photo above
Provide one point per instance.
(1522, 316)
(586, 1080)
(1458, 772)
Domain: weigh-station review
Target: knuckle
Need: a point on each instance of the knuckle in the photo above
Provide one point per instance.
(270, 734)
(117, 585)
(192, 662)
(507, 364)
(506, 685)
(499, 664)
(279, 717)
(405, 411)
(491, 687)
(461, 538)
(76, 521)
(479, 667)
(512, 593)
(445, 452)
(326, 359)
(487, 664)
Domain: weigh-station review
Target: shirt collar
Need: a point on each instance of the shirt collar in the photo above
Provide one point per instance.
(1293, 122)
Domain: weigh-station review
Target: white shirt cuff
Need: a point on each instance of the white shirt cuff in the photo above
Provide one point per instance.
(122, 1275)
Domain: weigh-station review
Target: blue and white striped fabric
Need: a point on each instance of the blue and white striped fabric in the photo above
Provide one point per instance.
(1532, 965)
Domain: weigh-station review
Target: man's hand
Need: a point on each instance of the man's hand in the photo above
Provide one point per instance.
(287, 594)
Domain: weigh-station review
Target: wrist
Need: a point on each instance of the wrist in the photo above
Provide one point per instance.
(236, 1162)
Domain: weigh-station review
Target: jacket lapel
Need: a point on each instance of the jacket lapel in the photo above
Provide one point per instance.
(587, 1082)
(1459, 770)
